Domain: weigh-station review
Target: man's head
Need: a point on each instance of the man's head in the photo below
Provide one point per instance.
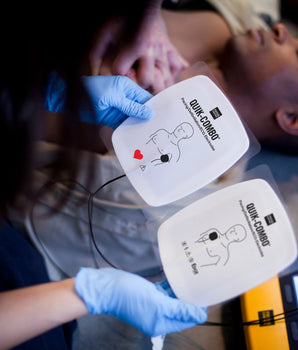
(261, 72)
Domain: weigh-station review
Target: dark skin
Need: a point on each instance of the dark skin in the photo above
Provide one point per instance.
(258, 71)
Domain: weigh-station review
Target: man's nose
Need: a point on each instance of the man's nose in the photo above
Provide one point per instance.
(280, 33)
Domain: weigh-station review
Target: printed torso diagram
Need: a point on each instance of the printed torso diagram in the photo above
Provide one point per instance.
(216, 245)
(166, 145)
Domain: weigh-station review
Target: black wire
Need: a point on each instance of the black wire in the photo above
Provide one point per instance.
(108, 182)
(91, 196)
(274, 318)
(262, 321)
(90, 212)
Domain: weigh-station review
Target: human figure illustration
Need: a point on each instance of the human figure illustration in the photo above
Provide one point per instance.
(168, 143)
(217, 244)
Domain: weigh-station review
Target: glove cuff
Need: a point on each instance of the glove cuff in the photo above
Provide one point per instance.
(89, 285)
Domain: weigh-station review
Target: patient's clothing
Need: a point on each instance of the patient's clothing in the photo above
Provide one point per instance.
(240, 15)
(22, 266)
(124, 226)
(121, 222)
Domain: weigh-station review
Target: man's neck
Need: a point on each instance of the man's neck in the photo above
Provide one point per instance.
(201, 36)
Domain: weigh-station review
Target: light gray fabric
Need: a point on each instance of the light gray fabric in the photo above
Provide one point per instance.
(124, 226)
(242, 15)
(119, 222)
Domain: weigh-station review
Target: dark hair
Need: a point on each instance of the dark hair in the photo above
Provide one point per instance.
(37, 39)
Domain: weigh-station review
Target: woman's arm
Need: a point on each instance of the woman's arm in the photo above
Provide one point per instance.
(29, 312)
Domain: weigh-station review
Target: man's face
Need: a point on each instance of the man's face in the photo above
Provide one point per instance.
(255, 57)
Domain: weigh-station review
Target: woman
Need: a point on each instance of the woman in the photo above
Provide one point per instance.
(33, 46)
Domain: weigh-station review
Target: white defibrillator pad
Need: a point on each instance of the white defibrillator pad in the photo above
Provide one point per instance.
(226, 243)
(194, 136)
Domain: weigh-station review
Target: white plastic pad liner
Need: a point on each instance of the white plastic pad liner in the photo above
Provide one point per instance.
(194, 136)
(226, 243)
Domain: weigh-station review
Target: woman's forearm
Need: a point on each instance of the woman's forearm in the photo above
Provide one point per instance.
(28, 312)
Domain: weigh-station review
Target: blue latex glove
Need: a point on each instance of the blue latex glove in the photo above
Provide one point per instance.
(113, 99)
(136, 301)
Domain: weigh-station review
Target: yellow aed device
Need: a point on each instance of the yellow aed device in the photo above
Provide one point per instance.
(269, 313)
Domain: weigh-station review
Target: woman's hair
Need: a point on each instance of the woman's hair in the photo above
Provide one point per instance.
(37, 39)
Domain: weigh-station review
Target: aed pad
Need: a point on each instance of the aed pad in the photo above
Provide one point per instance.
(226, 243)
(194, 137)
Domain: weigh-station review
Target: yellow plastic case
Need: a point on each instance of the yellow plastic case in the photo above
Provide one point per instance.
(257, 304)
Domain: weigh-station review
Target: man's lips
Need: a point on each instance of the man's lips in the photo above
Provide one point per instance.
(257, 35)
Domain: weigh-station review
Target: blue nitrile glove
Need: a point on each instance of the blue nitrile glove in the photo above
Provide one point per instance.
(136, 301)
(113, 99)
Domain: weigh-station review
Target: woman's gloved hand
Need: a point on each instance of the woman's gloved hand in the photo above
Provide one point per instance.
(113, 99)
(135, 300)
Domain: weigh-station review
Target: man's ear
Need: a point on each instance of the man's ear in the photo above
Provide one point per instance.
(287, 120)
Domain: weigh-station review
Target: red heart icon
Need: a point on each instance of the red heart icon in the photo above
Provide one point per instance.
(138, 154)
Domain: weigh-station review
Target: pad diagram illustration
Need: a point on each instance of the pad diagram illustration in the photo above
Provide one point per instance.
(167, 144)
(217, 245)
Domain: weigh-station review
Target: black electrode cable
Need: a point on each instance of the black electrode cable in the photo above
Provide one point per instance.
(261, 322)
(90, 212)
(90, 209)
(91, 196)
